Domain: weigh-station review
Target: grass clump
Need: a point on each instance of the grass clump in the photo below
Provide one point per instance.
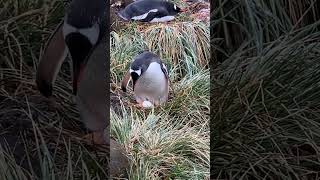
(260, 22)
(162, 147)
(39, 136)
(171, 141)
(183, 45)
(265, 95)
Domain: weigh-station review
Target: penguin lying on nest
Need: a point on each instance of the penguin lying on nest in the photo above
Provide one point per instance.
(82, 34)
(150, 11)
(149, 79)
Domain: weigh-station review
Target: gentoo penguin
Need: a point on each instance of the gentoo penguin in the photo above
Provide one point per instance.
(150, 11)
(82, 34)
(149, 79)
(83, 28)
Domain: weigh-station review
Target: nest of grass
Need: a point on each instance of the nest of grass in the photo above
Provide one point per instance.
(184, 46)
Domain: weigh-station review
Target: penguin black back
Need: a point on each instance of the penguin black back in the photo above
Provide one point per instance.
(143, 60)
(83, 14)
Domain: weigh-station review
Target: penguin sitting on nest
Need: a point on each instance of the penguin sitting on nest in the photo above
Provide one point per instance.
(150, 11)
(150, 80)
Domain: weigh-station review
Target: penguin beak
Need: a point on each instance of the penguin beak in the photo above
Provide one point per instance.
(79, 47)
(78, 67)
(125, 81)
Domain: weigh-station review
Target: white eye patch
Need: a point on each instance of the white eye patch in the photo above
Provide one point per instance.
(136, 71)
(175, 7)
(164, 67)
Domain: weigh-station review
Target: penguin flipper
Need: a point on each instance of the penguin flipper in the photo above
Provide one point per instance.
(51, 60)
(162, 15)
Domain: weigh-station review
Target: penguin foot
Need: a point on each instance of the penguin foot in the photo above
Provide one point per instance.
(119, 161)
(96, 137)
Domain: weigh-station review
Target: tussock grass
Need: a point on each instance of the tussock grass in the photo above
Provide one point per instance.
(161, 146)
(260, 22)
(41, 141)
(9, 168)
(171, 141)
(39, 137)
(265, 114)
(183, 45)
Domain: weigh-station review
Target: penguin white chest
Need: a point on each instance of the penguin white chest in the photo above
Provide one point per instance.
(153, 78)
(152, 85)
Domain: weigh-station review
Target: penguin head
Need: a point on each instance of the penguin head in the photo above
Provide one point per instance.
(136, 71)
(176, 9)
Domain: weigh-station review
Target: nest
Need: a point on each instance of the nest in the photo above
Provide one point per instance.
(196, 11)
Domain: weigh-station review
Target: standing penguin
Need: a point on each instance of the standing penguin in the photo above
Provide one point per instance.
(82, 30)
(150, 11)
(82, 34)
(149, 79)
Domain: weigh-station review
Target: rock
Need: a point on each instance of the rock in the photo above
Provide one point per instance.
(119, 162)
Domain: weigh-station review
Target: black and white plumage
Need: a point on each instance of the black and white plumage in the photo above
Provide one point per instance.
(150, 11)
(82, 35)
(85, 24)
(149, 79)
(82, 29)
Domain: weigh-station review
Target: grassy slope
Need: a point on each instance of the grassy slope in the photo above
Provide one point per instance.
(266, 116)
(171, 141)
